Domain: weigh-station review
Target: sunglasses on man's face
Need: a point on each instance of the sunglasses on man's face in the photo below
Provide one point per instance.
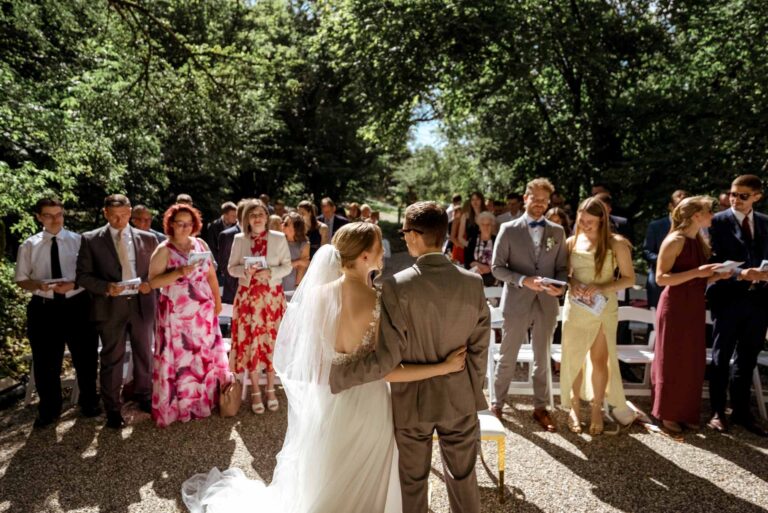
(409, 230)
(743, 196)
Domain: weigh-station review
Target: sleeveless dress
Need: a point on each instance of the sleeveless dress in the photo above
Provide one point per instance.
(677, 372)
(580, 328)
(256, 316)
(295, 247)
(189, 352)
(315, 241)
(350, 465)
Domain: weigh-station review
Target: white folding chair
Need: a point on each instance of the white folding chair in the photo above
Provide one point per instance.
(638, 354)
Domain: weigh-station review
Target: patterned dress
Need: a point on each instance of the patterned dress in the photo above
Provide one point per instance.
(256, 316)
(189, 354)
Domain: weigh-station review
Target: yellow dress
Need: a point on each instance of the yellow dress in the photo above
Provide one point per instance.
(580, 328)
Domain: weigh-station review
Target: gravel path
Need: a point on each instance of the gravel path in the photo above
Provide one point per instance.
(80, 467)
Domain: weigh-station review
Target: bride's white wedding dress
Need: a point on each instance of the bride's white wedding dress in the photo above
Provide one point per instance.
(339, 451)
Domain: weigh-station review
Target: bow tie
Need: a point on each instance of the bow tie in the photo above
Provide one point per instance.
(534, 224)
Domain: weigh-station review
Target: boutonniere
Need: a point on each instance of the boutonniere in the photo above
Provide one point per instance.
(551, 242)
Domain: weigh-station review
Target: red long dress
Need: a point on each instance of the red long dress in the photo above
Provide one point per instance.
(679, 362)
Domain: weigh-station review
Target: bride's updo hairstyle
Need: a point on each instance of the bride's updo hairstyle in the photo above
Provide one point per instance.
(354, 238)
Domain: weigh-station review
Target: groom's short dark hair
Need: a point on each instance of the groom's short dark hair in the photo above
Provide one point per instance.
(430, 219)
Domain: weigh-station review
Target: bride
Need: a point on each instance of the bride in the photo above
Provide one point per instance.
(339, 453)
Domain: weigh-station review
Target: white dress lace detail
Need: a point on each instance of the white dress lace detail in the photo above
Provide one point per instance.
(368, 340)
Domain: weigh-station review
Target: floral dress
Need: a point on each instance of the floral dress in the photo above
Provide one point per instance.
(190, 356)
(256, 316)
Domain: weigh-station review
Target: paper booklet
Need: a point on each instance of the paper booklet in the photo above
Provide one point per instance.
(728, 266)
(596, 307)
(556, 283)
(129, 286)
(198, 257)
(259, 262)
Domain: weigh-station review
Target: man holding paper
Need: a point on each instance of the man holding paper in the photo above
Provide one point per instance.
(113, 265)
(738, 304)
(529, 250)
(57, 314)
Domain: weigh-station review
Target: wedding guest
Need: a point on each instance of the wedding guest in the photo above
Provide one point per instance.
(226, 239)
(528, 250)
(365, 211)
(185, 199)
(141, 219)
(57, 314)
(275, 223)
(353, 212)
(190, 358)
(619, 225)
(280, 208)
(329, 216)
(738, 305)
(375, 217)
(677, 372)
(594, 256)
(295, 234)
(227, 219)
(465, 225)
(109, 256)
(264, 198)
(559, 216)
(478, 255)
(657, 231)
(260, 302)
(317, 232)
(724, 201)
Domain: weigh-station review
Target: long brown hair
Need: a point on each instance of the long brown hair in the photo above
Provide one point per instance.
(595, 207)
(682, 217)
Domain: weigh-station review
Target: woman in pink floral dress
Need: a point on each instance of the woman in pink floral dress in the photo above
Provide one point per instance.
(260, 259)
(190, 357)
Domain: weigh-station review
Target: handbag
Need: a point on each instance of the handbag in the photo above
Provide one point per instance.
(230, 397)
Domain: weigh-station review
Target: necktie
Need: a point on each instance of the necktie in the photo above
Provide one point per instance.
(122, 254)
(746, 230)
(533, 224)
(55, 264)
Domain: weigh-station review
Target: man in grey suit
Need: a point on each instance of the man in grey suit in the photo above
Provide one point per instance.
(114, 254)
(528, 250)
(427, 311)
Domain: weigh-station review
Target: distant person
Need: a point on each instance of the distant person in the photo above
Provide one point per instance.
(227, 219)
(185, 199)
(329, 216)
(619, 225)
(296, 235)
(226, 239)
(141, 219)
(657, 231)
(559, 216)
(317, 232)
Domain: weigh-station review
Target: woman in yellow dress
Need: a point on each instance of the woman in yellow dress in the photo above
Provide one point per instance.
(594, 256)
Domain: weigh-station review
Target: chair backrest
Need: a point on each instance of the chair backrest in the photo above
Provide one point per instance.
(634, 314)
(493, 292)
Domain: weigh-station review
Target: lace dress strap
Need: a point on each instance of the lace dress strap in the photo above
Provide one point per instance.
(367, 342)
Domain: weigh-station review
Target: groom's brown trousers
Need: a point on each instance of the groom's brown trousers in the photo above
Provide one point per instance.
(459, 441)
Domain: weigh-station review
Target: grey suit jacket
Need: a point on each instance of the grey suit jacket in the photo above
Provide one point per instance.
(514, 256)
(98, 265)
(427, 311)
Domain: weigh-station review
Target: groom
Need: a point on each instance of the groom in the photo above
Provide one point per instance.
(427, 311)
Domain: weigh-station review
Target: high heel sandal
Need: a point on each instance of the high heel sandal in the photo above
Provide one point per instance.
(574, 423)
(257, 407)
(596, 428)
(272, 404)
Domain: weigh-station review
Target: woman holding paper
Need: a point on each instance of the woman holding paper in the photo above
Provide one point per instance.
(260, 259)
(189, 354)
(590, 318)
(679, 362)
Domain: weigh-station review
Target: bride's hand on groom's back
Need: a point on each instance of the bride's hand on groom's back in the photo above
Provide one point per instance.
(457, 360)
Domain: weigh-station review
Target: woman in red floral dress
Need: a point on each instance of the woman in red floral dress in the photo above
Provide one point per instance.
(260, 259)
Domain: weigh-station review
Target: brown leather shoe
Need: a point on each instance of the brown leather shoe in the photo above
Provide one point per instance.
(496, 410)
(718, 423)
(541, 415)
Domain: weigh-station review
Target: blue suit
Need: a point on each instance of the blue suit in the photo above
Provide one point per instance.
(657, 230)
(739, 311)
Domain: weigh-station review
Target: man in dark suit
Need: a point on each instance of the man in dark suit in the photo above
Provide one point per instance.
(657, 230)
(739, 304)
(224, 248)
(227, 219)
(329, 217)
(619, 224)
(110, 257)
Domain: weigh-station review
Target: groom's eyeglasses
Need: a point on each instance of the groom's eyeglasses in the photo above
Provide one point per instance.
(408, 230)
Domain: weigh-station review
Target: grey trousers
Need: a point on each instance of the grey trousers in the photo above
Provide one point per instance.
(459, 439)
(125, 319)
(514, 333)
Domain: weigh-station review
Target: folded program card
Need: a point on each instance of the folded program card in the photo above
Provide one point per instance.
(129, 286)
(597, 305)
(259, 262)
(728, 266)
(554, 283)
(198, 257)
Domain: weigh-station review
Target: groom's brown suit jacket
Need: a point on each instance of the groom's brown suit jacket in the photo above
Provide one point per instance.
(427, 311)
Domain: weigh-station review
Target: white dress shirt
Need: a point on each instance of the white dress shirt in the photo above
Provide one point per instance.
(128, 240)
(33, 261)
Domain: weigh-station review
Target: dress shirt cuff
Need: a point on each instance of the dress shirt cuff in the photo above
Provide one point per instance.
(520, 281)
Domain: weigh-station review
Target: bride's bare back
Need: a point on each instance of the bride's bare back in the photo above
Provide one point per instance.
(358, 302)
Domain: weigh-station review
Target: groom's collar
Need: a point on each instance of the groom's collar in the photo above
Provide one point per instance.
(432, 259)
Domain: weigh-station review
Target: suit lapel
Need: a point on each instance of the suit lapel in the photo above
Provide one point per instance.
(527, 240)
(736, 228)
(109, 243)
(138, 252)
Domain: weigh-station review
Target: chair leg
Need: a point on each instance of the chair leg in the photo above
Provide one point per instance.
(246, 381)
(30, 385)
(759, 393)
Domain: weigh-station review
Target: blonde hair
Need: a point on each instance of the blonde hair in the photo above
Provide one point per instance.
(539, 183)
(682, 217)
(595, 207)
(354, 238)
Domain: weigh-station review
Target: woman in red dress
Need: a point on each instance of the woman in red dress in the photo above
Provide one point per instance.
(677, 372)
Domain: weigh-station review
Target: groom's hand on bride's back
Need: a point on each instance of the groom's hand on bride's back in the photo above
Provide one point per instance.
(456, 360)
